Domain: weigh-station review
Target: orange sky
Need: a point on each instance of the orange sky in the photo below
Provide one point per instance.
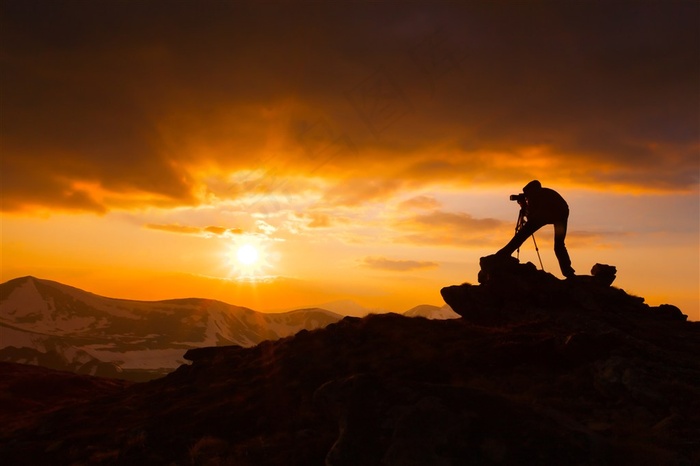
(367, 151)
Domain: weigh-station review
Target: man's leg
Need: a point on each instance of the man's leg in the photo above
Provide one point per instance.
(524, 233)
(560, 249)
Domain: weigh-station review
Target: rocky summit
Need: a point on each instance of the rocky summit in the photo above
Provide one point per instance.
(538, 371)
(509, 291)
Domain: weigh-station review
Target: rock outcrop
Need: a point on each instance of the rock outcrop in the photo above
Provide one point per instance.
(509, 291)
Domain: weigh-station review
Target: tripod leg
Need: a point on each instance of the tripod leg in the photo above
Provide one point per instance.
(519, 238)
(538, 252)
(518, 226)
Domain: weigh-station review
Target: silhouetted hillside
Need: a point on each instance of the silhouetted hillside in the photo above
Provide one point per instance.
(28, 393)
(545, 372)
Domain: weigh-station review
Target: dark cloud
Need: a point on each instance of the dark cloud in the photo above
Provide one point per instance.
(453, 220)
(600, 239)
(218, 231)
(175, 228)
(395, 265)
(191, 230)
(138, 101)
(420, 202)
(357, 191)
(440, 228)
(318, 220)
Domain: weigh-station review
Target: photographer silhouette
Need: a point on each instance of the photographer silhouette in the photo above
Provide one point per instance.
(542, 206)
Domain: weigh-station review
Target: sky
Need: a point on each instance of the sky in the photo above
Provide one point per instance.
(361, 151)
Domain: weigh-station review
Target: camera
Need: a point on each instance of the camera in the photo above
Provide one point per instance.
(518, 197)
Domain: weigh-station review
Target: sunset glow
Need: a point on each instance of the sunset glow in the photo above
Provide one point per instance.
(285, 156)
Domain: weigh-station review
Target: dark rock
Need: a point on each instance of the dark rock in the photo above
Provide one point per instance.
(496, 267)
(470, 301)
(670, 312)
(394, 422)
(604, 274)
(355, 403)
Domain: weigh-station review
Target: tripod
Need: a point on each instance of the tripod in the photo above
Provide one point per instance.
(520, 223)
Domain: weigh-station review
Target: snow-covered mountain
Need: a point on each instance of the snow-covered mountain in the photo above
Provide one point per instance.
(348, 307)
(47, 323)
(432, 312)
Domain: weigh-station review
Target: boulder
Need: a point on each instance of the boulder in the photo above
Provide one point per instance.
(604, 274)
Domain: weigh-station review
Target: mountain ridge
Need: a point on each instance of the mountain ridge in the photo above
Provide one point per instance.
(63, 327)
(553, 372)
(54, 325)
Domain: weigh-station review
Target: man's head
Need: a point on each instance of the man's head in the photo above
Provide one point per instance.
(532, 186)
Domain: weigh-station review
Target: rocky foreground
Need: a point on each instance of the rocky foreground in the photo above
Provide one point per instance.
(537, 372)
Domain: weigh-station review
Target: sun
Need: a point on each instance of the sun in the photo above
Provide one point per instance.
(249, 260)
(247, 255)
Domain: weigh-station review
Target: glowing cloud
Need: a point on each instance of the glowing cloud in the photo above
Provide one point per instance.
(397, 265)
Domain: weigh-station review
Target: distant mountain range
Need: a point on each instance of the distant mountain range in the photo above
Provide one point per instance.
(53, 325)
(348, 307)
(432, 312)
(57, 326)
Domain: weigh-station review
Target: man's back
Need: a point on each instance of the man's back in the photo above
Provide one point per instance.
(546, 205)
